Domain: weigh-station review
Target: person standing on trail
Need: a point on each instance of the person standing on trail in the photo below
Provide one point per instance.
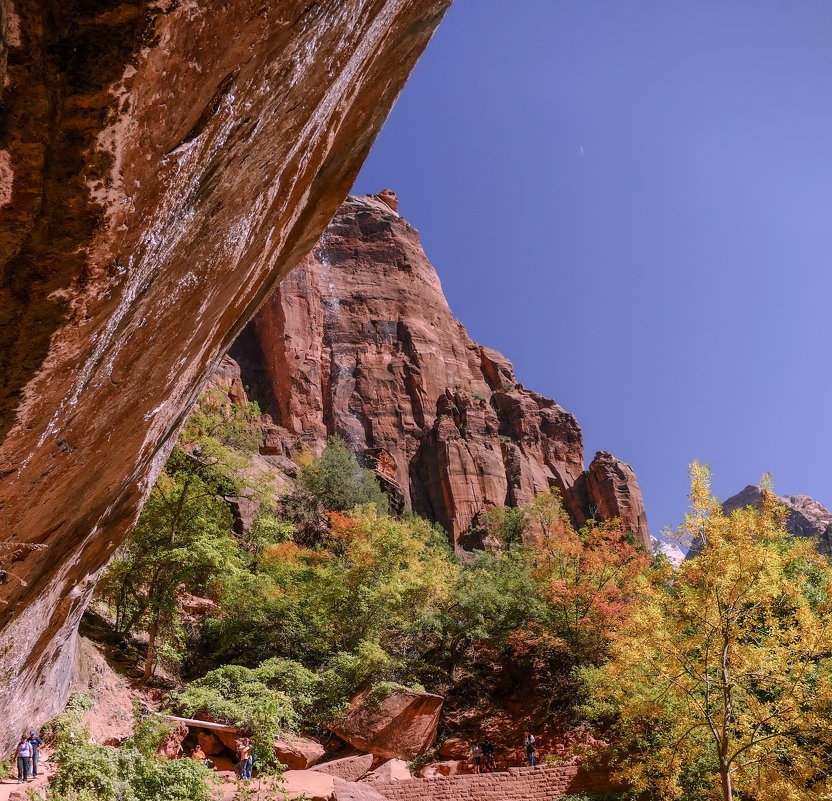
(246, 761)
(36, 743)
(489, 763)
(24, 756)
(476, 755)
(530, 749)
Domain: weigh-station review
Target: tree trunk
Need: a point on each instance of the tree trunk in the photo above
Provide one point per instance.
(727, 786)
(151, 651)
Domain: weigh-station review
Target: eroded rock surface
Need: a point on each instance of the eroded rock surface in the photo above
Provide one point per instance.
(162, 165)
(400, 726)
(359, 340)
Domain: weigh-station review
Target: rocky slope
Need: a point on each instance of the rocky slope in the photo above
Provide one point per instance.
(162, 165)
(359, 340)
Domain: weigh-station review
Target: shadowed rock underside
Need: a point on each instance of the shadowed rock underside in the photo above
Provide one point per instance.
(162, 165)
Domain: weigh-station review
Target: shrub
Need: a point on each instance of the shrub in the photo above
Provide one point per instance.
(87, 772)
(263, 701)
(334, 482)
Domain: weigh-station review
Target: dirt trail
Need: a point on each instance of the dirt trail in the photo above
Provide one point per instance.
(10, 789)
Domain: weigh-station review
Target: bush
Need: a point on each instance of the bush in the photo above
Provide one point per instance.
(334, 482)
(263, 701)
(87, 772)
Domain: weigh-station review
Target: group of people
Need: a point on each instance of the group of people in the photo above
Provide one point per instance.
(482, 754)
(27, 753)
(244, 752)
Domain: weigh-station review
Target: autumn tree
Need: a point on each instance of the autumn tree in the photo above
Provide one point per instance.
(333, 482)
(719, 685)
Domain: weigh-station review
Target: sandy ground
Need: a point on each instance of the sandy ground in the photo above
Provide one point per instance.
(9, 785)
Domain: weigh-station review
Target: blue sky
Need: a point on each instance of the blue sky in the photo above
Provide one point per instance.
(631, 199)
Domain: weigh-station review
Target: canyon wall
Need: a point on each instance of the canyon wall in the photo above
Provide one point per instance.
(359, 340)
(162, 165)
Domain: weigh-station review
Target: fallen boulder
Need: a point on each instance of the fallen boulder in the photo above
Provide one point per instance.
(401, 725)
(350, 769)
(455, 748)
(296, 753)
(307, 784)
(394, 770)
(352, 791)
(210, 743)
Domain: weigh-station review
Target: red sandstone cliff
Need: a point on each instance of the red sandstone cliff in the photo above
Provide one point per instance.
(359, 340)
(162, 165)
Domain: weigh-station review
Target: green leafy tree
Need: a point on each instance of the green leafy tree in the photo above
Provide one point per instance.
(184, 540)
(360, 605)
(334, 482)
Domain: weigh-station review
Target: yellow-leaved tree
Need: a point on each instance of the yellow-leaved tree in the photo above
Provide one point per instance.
(719, 686)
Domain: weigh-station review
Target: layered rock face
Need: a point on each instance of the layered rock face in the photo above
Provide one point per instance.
(162, 165)
(358, 340)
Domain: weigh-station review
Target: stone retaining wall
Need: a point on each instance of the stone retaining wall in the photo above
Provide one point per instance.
(517, 784)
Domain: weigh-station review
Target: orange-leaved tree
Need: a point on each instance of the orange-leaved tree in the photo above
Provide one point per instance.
(587, 578)
(719, 684)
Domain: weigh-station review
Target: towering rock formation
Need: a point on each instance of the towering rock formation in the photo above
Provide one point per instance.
(359, 340)
(162, 165)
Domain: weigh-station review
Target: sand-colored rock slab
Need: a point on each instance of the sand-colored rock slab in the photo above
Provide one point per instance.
(350, 769)
(449, 767)
(314, 785)
(394, 770)
(355, 791)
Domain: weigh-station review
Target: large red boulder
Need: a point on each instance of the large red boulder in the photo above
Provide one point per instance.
(402, 725)
(296, 753)
(210, 743)
(455, 748)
